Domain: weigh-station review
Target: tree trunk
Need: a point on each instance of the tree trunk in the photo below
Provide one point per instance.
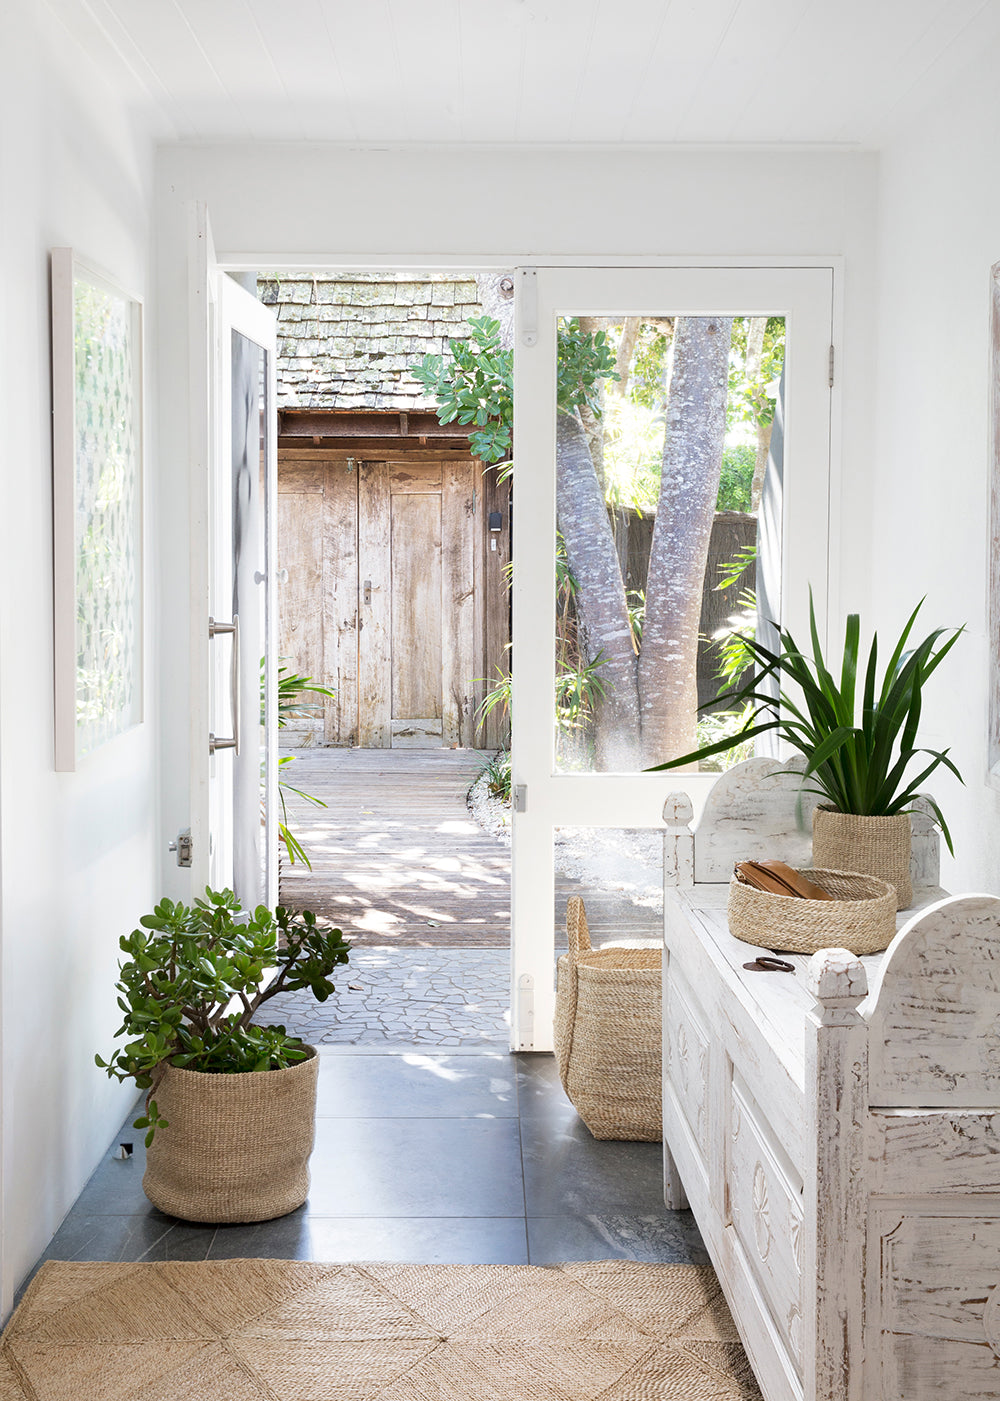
(689, 489)
(593, 423)
(760, 466)
(756, 328)
(626, 349)
(496, 294)
(600, 599)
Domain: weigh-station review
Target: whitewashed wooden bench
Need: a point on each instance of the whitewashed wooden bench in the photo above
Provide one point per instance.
(836, 1132)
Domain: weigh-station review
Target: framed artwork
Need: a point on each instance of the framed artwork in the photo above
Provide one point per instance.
(97, 508)
(993, 716)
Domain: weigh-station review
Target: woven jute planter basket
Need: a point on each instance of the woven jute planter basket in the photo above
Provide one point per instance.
(608, 1033)
(874, 846)
(861, 917)
(236, 1147)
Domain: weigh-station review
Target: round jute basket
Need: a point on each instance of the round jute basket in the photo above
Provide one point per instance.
(236, 1147)
(608, 1038)
(875, 846)
(861, 917)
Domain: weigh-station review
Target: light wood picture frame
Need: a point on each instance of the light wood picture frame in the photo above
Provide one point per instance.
(97, 456)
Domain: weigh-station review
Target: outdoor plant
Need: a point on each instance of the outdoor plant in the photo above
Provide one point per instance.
(497, 774)
(859, 763)
(193, 980)
(291, 688)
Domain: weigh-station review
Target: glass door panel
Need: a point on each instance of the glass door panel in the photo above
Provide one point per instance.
(664, 425)
(251, 604)
(654, 411)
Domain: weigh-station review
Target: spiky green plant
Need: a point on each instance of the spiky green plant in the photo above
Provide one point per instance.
(859, 765)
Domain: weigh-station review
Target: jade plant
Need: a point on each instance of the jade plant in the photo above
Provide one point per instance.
(194, 978)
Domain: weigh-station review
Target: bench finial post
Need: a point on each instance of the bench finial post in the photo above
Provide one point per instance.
(678, 840)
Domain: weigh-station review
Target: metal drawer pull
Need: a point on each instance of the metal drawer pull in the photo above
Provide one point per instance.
(214, 629)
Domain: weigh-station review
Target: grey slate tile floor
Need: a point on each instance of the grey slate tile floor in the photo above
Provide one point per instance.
(473, 1156)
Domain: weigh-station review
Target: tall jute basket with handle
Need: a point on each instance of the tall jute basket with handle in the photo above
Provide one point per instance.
(608, 1033)
(236, 1147)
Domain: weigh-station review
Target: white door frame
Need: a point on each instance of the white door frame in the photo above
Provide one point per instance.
(550, 800)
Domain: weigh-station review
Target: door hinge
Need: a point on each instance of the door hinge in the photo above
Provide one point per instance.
(183, 847)
(520, 797)
(831, 365)
(526, 306)
(526, 1012)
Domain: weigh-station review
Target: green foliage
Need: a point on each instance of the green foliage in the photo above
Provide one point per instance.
(187, 964)
(498, 696)
(736, 482)
(719, 725)
(751, 400)
(648, 379)
(578, 689)
(732, 570)
(476, 386)
(497, 773)
(584, 360)
(858, 764)
(635, 602)
(291, 689)
(734, 656)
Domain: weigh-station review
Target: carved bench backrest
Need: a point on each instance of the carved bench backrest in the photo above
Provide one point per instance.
(934, 1018)
(759, 809)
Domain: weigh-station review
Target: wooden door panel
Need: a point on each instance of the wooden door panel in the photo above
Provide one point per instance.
(405, 656)
(374, 607)
(340, 606)
(414, 476)
(416, 606)
(300, 555)
(458, 603)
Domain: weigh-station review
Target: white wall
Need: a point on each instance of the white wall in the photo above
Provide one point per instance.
(78, 852)
(275, 205)
(940, 233)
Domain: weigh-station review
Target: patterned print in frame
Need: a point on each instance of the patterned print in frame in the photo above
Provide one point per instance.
(98, 453)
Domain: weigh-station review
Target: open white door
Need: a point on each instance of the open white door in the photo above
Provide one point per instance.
(233, 624)
(792, 533)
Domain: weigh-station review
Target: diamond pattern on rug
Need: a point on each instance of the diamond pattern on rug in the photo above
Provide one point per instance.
(696, 1308)
(532, 1371)
(114, 1308)
(273, 1330)
(667, 1374)
(306, 1370)
(291, 1299)
(160, 1371)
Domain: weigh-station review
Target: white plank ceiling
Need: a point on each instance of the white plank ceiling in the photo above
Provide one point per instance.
(538, 71)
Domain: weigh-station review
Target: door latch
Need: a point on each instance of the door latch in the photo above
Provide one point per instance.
(183, 847)
(368, 593)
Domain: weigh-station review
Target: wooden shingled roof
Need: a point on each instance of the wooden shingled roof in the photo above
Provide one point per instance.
(348, 343)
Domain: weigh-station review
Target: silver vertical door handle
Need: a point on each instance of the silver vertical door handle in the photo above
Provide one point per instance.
(214, 629)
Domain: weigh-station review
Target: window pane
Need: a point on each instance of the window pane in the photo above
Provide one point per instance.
(668, 530)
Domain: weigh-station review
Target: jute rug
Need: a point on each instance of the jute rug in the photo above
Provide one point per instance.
(275, 1330)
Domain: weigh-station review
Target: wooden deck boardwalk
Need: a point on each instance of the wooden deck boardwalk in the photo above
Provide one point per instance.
(397, 858)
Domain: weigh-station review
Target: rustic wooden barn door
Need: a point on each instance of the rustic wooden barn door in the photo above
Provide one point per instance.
(393, 597)
(416, 604)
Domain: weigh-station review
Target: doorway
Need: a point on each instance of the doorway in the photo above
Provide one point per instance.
(393, 595)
